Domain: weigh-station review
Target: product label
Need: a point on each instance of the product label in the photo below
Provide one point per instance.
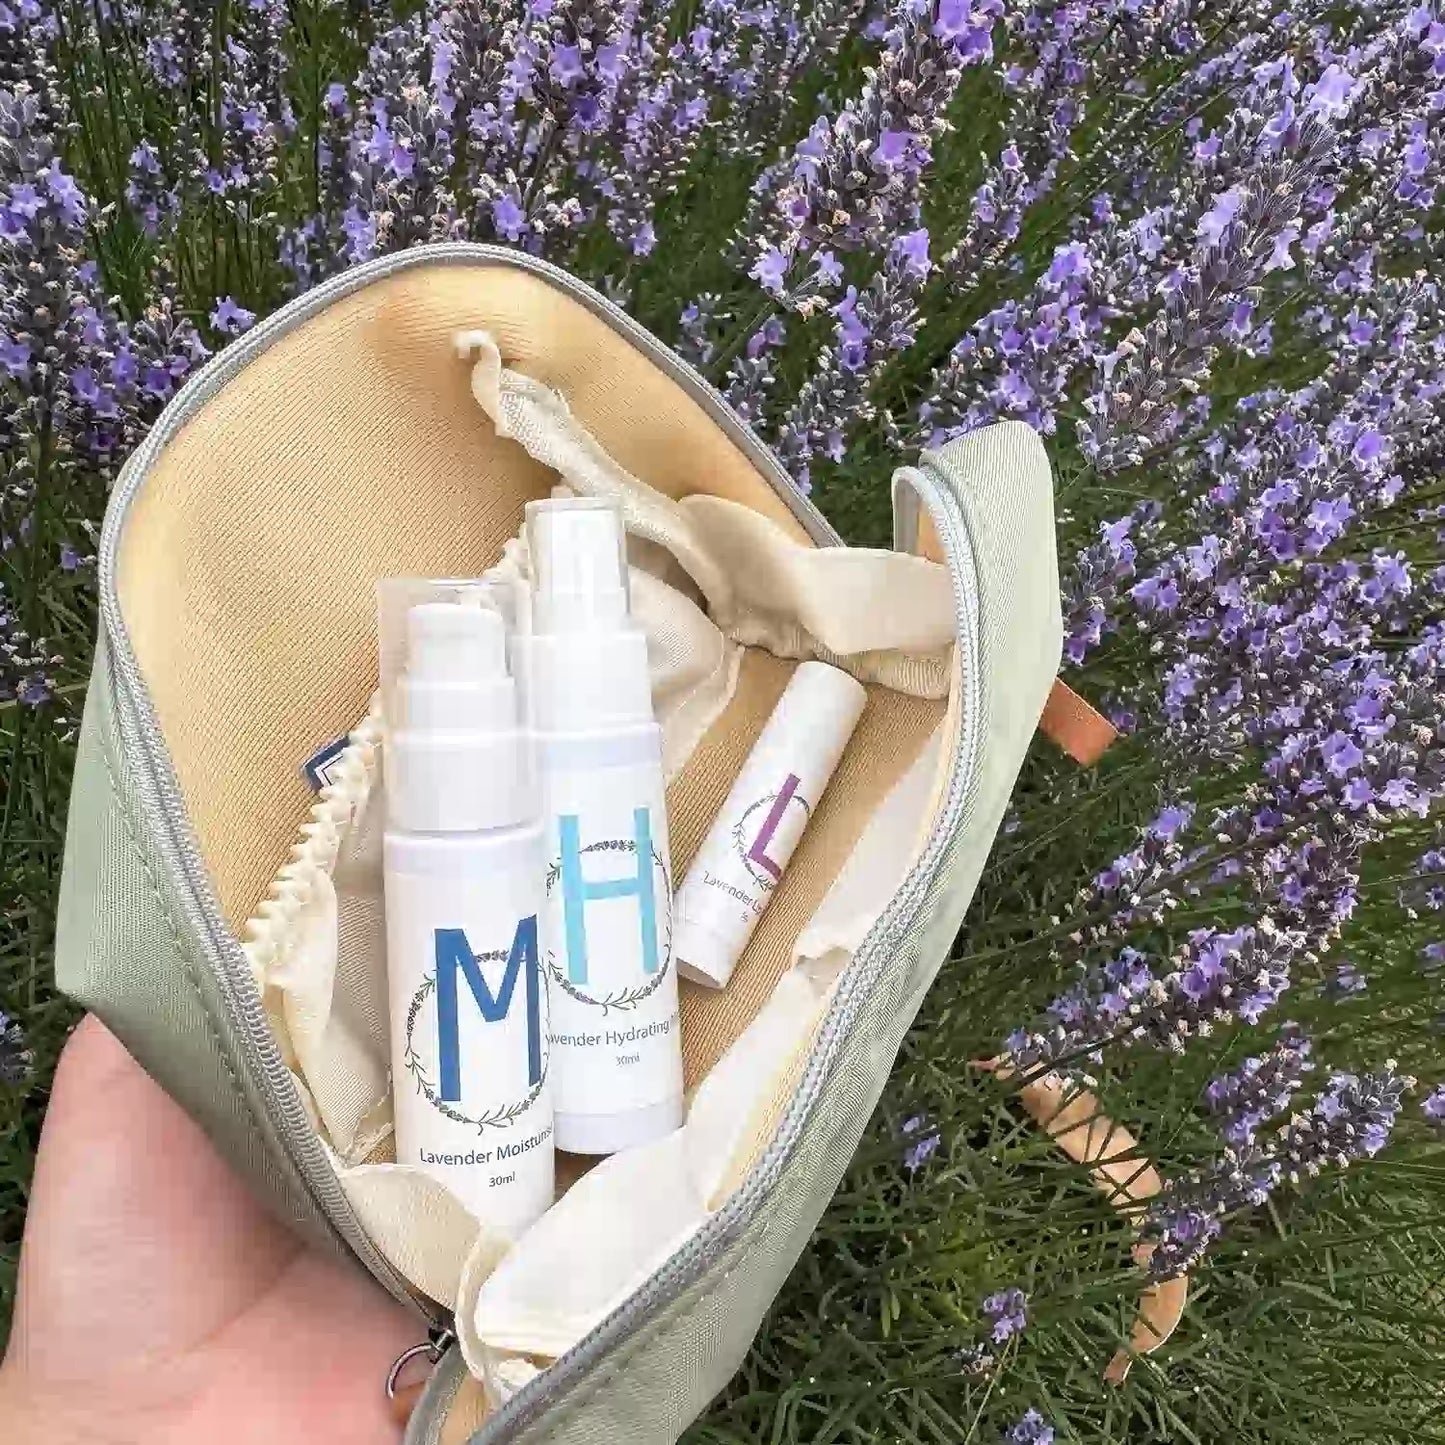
(470, 1054)
(319, 769)
(742, 868)
(607, 943)
(773, 822)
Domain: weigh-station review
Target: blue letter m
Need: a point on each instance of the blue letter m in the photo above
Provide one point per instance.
(455, 953)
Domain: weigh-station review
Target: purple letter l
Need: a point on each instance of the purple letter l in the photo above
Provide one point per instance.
(758, 853)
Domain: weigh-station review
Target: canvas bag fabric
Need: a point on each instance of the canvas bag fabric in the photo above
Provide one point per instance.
(138, 946)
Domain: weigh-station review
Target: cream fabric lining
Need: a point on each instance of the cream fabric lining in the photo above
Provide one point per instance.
(630, 1213)
(886, 617)
(351, 448)
(325, 1005)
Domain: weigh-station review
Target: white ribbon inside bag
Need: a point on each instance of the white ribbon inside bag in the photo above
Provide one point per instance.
(317, 945)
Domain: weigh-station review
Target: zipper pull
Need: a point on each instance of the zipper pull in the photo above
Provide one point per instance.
(403, 1398)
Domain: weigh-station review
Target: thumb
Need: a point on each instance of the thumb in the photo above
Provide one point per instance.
(139, 1241)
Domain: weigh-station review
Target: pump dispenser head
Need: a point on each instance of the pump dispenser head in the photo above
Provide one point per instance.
(454, 639)
(456, 756)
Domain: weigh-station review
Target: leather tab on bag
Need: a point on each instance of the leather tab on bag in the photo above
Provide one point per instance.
(1076, 727)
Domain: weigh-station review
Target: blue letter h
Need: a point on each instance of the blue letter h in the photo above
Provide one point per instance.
(577, 893)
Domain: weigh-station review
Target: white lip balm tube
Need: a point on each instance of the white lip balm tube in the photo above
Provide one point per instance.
(463, 878)
(741, 860)
(607, 917)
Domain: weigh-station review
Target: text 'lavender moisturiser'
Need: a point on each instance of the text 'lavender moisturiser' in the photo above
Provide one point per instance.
(463, 859)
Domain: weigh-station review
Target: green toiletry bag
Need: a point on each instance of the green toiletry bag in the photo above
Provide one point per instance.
(341, 441)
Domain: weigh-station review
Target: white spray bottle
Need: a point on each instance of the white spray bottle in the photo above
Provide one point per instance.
(463, 870)
(607, 917)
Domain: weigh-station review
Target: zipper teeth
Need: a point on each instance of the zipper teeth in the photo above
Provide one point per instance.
(294, 887)
(233, 969)
(262, 1060)
(852, 994)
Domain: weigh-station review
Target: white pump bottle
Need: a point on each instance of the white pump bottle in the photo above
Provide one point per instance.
(463, 872)
(607, 917)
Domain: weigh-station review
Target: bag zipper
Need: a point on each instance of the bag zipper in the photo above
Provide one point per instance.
(160, 794)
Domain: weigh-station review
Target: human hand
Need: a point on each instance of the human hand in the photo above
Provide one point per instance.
(159, 1302)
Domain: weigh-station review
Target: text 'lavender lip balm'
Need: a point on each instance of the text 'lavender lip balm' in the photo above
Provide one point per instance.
(742, 859)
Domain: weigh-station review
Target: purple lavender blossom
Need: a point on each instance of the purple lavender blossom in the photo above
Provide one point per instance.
(1346, 981)
(231, 318)
(1030, 1430)
(854, 183)
(15, 1058)
(1215, 977)
(1433, 1105)
(924, 1139)
(871, 327)
(1006, 1312)
(1352, 1119)
(1259, 1089)
(75, 373)
(1425, 893)
(974, 1360)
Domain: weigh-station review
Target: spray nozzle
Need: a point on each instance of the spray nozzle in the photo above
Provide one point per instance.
(579, 563)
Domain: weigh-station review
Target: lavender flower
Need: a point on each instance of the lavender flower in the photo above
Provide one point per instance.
(1433, 1105)
(1052, 78)
(924, 1139)
(1427, 893)
(1249, 203)
(1214, 978)
(854, 182)
(1030, 1430)
(871, 328)
(1347, 981)
(15, 1058)
(1351, 1119)
(974, 1360)
(1260, 1089)
(1006, 1311)
(230, 318)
